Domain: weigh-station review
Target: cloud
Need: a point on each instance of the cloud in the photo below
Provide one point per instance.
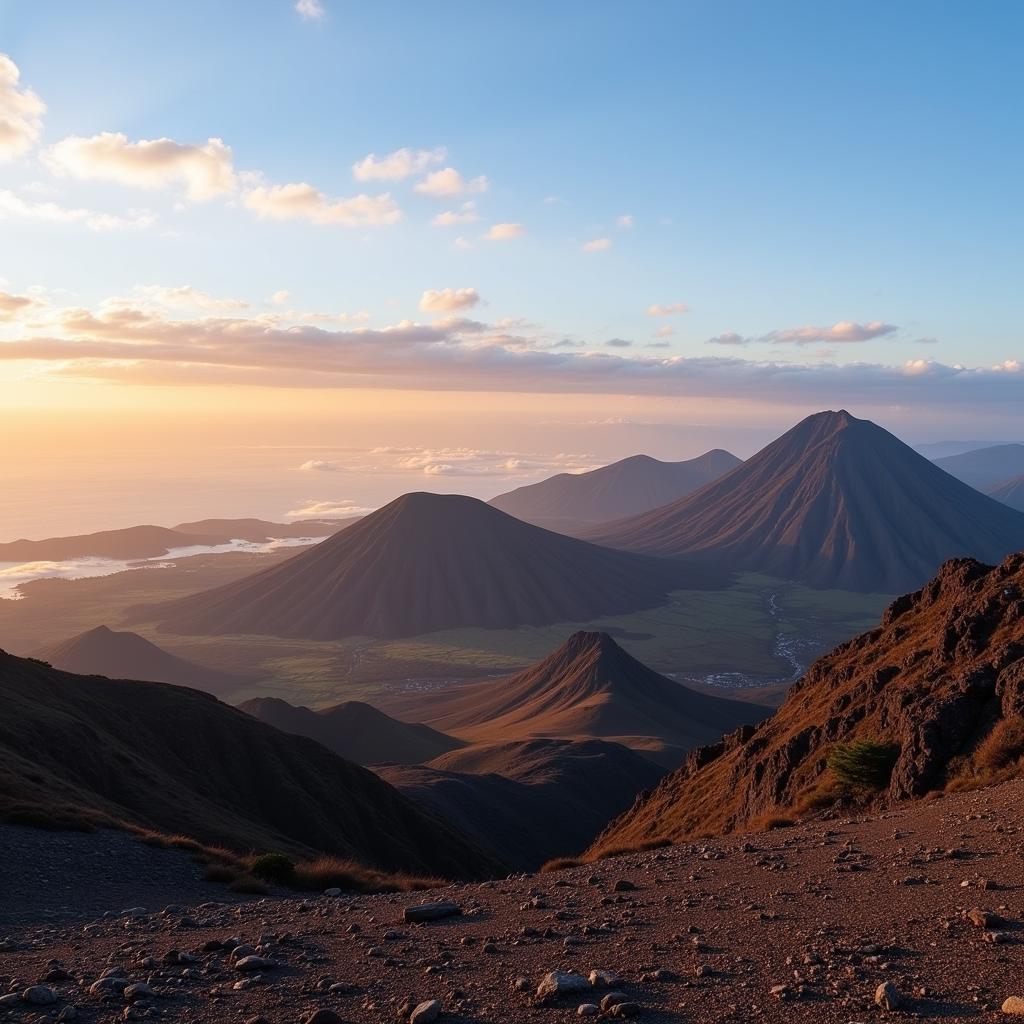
(462, 243)
(311, 10)
(668, 309)
(843, 331)
(12, 307)
(12, 205)
(618, 343)
(665, 331)
(926, 341)
(466, 215)
(447, 300)
(625, 220)
(503, 232)
(397, 166)
(448, 182)
(314, 509)
(318, 466)
(21, 112)
(186, 296)
(279, 298)
(597, 245)
(205, 170)
(299, 201)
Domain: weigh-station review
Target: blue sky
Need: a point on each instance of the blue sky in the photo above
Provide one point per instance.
(670, 226)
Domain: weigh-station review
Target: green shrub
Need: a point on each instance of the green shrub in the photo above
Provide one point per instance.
(273, 867)
(863, 764)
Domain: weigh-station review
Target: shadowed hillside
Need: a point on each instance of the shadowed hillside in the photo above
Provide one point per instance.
(987, 467)
(1010, 492)
(835, 502)
(427, 562)
(178, 760)
(356, 731)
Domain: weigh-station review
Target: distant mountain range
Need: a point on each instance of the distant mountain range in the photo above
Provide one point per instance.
(177, 760)
(835, 502)
(154, 541)
(940, 683)
(589, 688)
(986, 468)
(124, 655)
(1011, 493)
(428, 562)
(528, 801)
(941, 449)
(356, 731)
(624, 488)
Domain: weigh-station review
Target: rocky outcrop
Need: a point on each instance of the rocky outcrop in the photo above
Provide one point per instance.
(945, 665)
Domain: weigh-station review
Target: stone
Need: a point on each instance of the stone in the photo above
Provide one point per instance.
(426, 1013)
(603, 979)
(1014, 1005)
(253, 962)
(322, 1016)
(140, 990)
(39, 995)
(612, 1000)
(624, 885)
(889, 997)
(108, 986)
(588, 1010)
(561, 983)
(431, 912)
(625, 1010)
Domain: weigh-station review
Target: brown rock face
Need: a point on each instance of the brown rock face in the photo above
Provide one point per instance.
(943, 668)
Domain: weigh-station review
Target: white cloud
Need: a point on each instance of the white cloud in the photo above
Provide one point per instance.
(625, 220)
(311, 10)
(503, 232)
(279, 298)
(462, 243)
(466, 215)
(318, 466)
(205, 170)
(397, 166)
(313, 509)
(597, 245)
(185, 296)
(447, 300)
(12, 307)
(665, 331)
(844, 331)
(299, 201)
(668, 309)
(21, 112)
(448, 182)
(12, 205)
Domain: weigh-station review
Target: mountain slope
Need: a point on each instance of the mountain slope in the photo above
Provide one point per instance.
(356, 731)
(124, 655)
(590, 688)
(835, 502)
(624, 488)
(1010, 492)
(178, 760)
(527, 802)
(987, 467)
(935, 679)
(260, 530)
(428, 562)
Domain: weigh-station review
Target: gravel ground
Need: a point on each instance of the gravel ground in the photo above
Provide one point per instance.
(801, 924)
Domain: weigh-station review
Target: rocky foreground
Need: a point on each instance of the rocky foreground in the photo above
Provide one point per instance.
(918, 912)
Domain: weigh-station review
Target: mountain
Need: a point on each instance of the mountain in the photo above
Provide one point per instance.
(259, 531)
(625, 488)
(835, 502)
(941, 680)
(528, 802)
(123, 655)
(941, 449)
(133, 542)
(589, 688)
(177, 760)
(356, 731)
(987, 467)
(427, 562)
(1010, 492)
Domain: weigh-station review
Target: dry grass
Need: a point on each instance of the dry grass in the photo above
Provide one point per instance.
(335, 872)
(770, 821)
(997, 757)
(604, 853)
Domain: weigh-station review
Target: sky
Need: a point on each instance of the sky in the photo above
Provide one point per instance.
(276, 256)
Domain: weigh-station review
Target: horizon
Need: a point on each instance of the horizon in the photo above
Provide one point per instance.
(321, 240)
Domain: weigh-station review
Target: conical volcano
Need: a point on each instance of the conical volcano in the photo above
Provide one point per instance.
(428, 562)
(835, 502)
(590, 688)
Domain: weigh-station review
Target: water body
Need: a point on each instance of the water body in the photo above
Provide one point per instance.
(14, 574)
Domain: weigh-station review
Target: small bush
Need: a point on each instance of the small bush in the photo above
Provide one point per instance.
(863, 764)
(249, 886)
(273, 867)
(1002, 748)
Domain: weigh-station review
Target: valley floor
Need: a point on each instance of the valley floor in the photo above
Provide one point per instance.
(828, 910)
